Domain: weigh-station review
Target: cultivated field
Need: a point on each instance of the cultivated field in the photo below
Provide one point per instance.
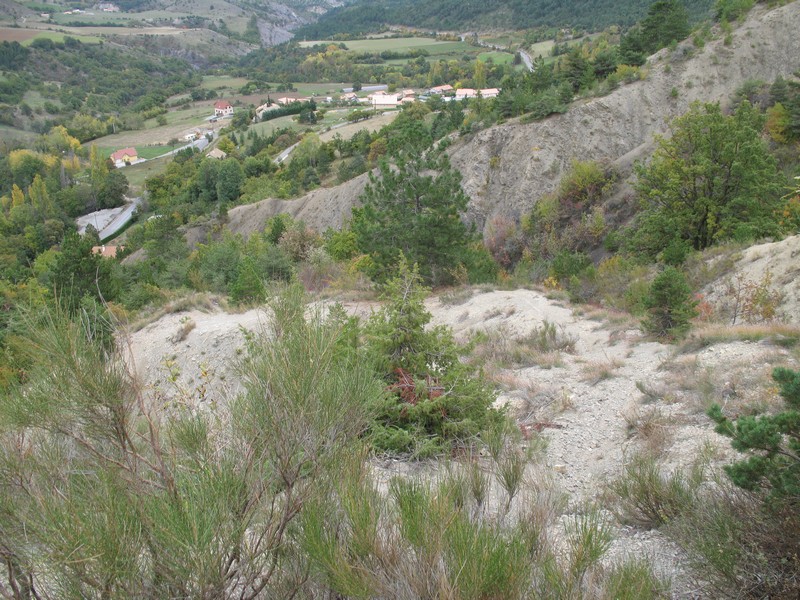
(349, 130)
(505, 40)
(542, 49)
(26, 36)
(179, 123)
(136, 174)
(433, 46)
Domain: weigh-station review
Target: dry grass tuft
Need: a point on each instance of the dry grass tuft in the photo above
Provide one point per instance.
(201, 301)
(498, 348)
(651, 427)
(186, 327)
(780, 334)
(597, 371)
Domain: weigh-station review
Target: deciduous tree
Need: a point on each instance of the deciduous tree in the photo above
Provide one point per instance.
(713, 179)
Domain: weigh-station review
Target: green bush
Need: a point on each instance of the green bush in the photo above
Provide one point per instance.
(437, 402)
(647, 498)
(669, 304)
(108, 493)
(729, 10)
(771, 442)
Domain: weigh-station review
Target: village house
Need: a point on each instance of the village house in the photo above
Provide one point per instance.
(267, 106)
(441, 89)
(222, 108)
(124, 157)
(465, 93)
(380, 100)
(218, 154)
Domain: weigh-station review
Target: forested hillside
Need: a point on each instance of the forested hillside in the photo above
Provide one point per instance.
(458, 15)
(90, 81)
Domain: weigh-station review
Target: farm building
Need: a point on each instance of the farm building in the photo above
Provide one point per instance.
(465, 93)
(222, 108)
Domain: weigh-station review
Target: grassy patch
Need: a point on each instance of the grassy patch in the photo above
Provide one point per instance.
(267, 127)
(783, 335)
(378, 45)
(542, 346)
(648, 498)
(498, 58)
(12, 133)
(597, 371)
(216, 82)
(137, 174)
(148, 152)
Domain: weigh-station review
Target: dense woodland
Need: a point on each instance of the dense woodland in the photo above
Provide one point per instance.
(454, 15)
(239, 505)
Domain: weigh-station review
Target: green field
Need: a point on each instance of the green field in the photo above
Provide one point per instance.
(378, 45)
(34, 99)
(58, 36)
(498, 58)
(220, 82)
(136, 174)
(506, 40)
(147, 152)
(179, 123)
(267, 127)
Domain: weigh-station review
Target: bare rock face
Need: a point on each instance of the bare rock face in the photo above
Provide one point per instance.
(507, 168)
(775, 266)
(319, 209)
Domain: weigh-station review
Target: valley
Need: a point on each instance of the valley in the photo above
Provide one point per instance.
(313, 299)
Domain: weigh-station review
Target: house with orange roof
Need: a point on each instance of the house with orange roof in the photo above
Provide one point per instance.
(124, 157)
(222, 108)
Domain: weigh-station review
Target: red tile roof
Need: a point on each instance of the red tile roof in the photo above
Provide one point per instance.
(120, 154)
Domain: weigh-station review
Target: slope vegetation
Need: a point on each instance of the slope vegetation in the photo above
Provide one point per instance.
(508, 167)
(367, 15)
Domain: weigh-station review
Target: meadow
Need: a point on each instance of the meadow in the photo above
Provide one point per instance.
(378, 45)
(498, 58)
(27, 36)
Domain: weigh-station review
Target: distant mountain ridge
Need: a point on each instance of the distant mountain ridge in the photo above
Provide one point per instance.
(462, 15)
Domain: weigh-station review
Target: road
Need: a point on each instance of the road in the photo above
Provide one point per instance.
(285, 154)
(200, 144)
(526, 58)
(110, 220)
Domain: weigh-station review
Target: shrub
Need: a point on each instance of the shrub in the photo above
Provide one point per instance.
(770, 441)
(436, 402)
(670, 304)
(108, 493)
(647, 498)
(730, 10)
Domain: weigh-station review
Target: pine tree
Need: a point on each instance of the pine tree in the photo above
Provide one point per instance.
(772, 443)
(411, 212)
